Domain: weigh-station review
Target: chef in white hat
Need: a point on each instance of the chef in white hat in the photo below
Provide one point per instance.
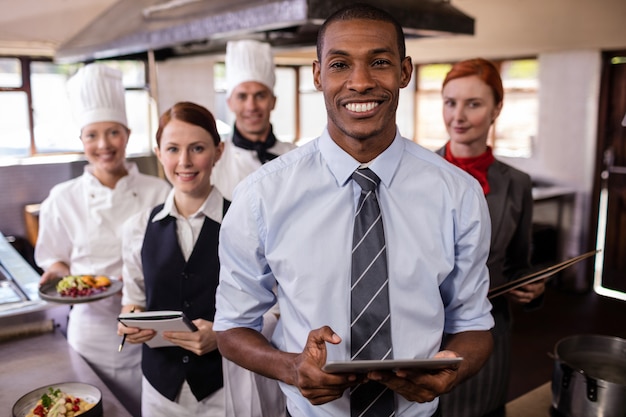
(80, 225)
(250, 76)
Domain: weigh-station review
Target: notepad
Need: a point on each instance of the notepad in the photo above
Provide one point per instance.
(160, 321)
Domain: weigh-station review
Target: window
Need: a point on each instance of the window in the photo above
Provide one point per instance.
(431, 132)
(312, 107)
(516, 127)
(283, 117)
(14, 124)
(27, 83)
(53, 124)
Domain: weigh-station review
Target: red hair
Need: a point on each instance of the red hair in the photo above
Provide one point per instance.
(483, 69)
(191, 113)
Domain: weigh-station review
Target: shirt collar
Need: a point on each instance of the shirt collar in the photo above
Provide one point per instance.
(212, 207)
(342, 165)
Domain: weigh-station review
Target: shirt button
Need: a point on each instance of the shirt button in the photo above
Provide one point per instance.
(184, 275)
(186, 304)
(185, 359)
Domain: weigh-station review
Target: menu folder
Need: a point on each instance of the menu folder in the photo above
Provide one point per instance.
(160, 321)
(539, 275)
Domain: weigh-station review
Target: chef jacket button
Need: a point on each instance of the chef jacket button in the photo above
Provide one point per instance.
(185, 359)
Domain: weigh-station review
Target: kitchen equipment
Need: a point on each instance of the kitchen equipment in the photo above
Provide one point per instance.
(19, 282)
(589, 376)
(182, 27)
(17, 330)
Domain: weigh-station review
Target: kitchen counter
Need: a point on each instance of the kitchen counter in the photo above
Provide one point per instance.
(34, 361)
(536, 403)
(33, 349)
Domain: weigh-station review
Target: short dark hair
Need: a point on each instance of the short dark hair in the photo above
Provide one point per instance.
(361, 11)
(191, 113)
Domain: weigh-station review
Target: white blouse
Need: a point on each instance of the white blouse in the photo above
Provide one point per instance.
(187, 229)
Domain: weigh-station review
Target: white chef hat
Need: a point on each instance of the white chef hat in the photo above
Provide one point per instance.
(249, 60)
(96, 94)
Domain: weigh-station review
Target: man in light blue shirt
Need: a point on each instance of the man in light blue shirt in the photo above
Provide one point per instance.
(291, 224)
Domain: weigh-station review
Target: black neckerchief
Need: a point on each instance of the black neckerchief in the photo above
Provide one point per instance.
(260, 147)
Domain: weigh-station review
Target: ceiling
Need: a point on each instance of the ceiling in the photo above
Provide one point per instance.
(503, 27)
(36, 27)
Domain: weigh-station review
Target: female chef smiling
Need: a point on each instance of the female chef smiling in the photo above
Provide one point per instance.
(80, 225)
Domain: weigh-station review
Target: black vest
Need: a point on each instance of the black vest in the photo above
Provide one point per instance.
(173, 284)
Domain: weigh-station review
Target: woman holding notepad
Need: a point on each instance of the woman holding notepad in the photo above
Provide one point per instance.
(171, 263)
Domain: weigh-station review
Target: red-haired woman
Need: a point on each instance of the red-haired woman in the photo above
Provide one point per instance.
(472, 100)
(171, 263)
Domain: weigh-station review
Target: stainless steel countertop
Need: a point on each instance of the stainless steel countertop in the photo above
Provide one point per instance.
(36, 361)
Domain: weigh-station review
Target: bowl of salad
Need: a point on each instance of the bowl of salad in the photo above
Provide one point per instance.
(66, 399)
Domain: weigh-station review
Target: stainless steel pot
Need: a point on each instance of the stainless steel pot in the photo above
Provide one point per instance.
(589, 376)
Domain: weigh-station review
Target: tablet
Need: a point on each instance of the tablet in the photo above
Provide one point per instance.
(362, 366)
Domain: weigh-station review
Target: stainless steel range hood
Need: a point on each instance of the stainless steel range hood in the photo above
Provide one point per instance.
(179, 27)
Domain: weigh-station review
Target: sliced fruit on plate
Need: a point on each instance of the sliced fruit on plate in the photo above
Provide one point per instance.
(82, 285)
(102, 281)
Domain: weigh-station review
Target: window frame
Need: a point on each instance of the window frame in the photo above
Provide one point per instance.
(26, 87)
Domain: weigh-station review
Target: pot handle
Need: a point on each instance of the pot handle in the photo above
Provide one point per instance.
(567, 371)
(566, 377)
(592, 389)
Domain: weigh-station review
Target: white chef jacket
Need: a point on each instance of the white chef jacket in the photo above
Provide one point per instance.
(80, 223)
(237, 163)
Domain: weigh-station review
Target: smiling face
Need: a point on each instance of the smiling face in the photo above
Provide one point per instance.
(252, 103)
(361, 73)
(104, 144)
(469, 109)
(188, 154)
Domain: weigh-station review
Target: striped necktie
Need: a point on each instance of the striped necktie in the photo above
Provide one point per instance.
(370, 317)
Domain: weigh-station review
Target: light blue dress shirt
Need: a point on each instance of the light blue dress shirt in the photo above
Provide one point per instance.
(290, 223)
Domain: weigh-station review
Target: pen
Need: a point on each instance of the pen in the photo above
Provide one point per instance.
(119, 349)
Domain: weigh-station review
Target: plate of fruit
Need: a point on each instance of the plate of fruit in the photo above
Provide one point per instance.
(66, 399)
(74, 289)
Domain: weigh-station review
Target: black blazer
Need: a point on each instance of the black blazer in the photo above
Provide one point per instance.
(510, 203)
